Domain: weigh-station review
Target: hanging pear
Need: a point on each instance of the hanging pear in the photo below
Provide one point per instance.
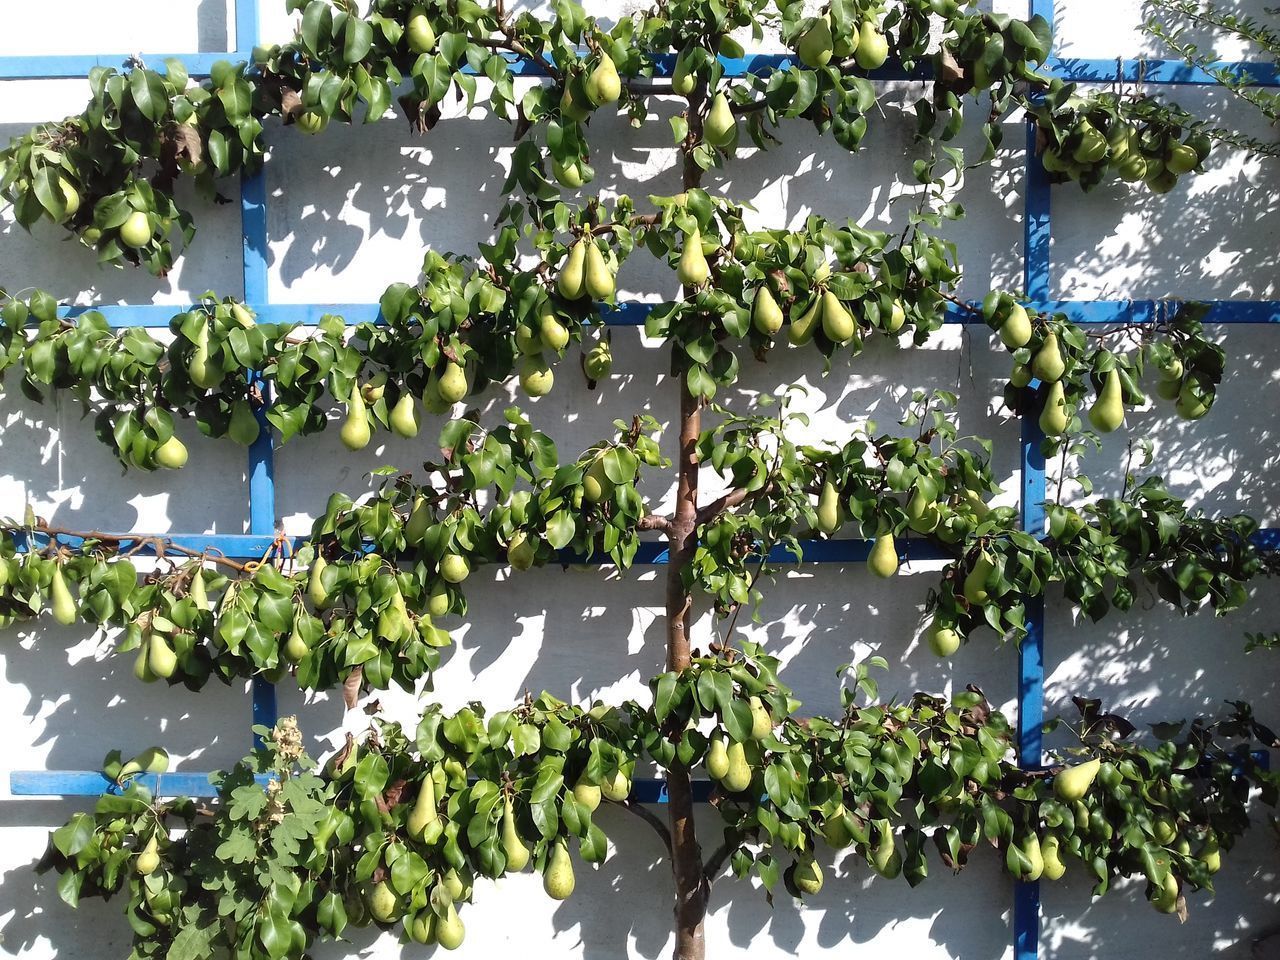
(393, 622)
(828, 508)
(721, 127)
(761, 720)
(1074, 782)
(1053, 418)
(885, 857)
(243, 427)
(172, 454)
(558, 880)
(603, 85)
(161, 659)
(382, 902)
(295, 648)
(897, 317)
(1015, 331)
(873, 47)
(316, 592)
(404, 416)
(521, 552)
(616, 787)
(419, 33)
(1107, 412)
(943, 639)
(1050, 853)
(571, 281)
(598, 361)
(60, 600)
(717, 761)
(420, 519)
(424, 809)
(150, 760)
(198, 593)
(683, 79)
(1047, 365)
(1024, 859)
(739, 776)
(148, 860)
(1210, 855)
(835, 830)
(550, 329)
(356, 432)
(766, 315)
(922, 513)
(975, 582)
(452, 384)
(837, 322)
(807, 876)
(141, 666)
(801, 331)
(454, 568)
(449, 930)
(587, 793)
(536, 376)
(438, 602)
(596, 485)
(816, 44)
(199, 368)
(1192, 405)
(599, 281)
(883, 559)
(693, 270)
(517, 853)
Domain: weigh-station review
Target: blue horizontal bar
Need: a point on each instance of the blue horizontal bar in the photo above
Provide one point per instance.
(77, 66)
(1156, 71)
(91, 783)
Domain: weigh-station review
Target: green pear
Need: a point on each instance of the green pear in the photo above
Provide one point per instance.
(587, 793)
(243, 427)
(598, 361)
(536, 376)
(883, 559)
(828, 508)
(801, 331)
(316, 592)
(897, 317)
(975, 582)
(1050, 853)
(528, 339)
(160, 656)
(382, 902)
(1047, 365)
(1107, 412)
(598, 279)
(356, 432)
(885, 857)
(807, 876)
(517, 853)
(1029, 847)
(603, 85)
(141, 666)
(683, 79)
(1189, 405)
(198, 593)
(837, 322)
(452, 384)
(1210, 855)
(424, 809)
(419, 33)
(717, 760)
(1015, 331)
(557, 879)
(148, 860)
(454, 567)
(1171, 369)
(1132, 169)
(1053, 418)
(61, 602)
(393, 621)
(295, 648)
(203, 373)
(693, 270)
(420, 520)
(923, 514)
(438, 602)
(596, 485)
(739, 776)
(943, 639)
(571, 280)
(455, 886)
(1092, 146)
(550, 329)
(572, 106)
(1165, 830)
(873, 47)
(172, 454)
(520, 552)
(721, 126)
(617, 787)
(766, 315)
(449, 930)
(1021, 375)
(423, 928)
(1181, 159)
(761, 720)
(835, 830)
(150, 760)
(816, 45)
(136, 231)
(404, 416)
(1165, 898)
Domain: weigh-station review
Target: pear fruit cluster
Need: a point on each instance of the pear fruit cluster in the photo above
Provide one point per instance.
(826, 313)
(1102, 143)
(821, 42)
(585, 273)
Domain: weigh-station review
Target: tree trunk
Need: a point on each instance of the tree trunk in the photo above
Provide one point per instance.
(686, 855)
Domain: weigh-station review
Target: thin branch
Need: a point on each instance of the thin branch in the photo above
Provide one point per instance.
(734, 498)
(118, 538)
(660, 828)
(654, 521)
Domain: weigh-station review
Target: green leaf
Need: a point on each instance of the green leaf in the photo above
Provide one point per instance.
(358, 39)
(149, 94)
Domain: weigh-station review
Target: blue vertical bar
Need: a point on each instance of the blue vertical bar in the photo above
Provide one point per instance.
(1036, 281)
(253, 224)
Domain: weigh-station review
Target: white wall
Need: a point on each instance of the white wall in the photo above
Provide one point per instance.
(353, 210)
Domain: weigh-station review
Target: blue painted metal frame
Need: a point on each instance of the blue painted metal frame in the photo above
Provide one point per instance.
(262, 534)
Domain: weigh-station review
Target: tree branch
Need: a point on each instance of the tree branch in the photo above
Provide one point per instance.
(136, 539)
(734, 498)
(660, 828)
(654, 521)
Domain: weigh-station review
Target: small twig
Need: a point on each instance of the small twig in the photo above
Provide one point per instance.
(660, 828)
(161, 543)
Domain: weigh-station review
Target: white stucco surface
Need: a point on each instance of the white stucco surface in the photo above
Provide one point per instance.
(354, 210)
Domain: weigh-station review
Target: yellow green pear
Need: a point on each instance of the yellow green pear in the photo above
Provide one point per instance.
(420, 519)
(883, 559)
(693, 271)
(1030, 849)
(452, 384)
(596, 485)
(801, 331)
(816, 44)
(382, 902)
(761, 720)
(295, 648)
(424, 809)
(61, 603)
(1051, 854)
(438, 603)
(943, 639)
(449, 930)
(923, 514)
(1015, 331)
(828, 508)
(683, 79)
(807, 876)
(975, 582)
(739, 776)
(1047, 365)
(198, 593)
(717, 759)
(834, 829)
(766, 315)
(243, 427)
(598, 280)
(885, 857)
(1210, 855)
(161, 659)
(1021, 375)
(553, 333)
(571, 281)
(897, 317)
(598, 361)
(1053, 418)
(1165, 897)
(557, 879)
(172, 454)
(356, 431)
(521, 553)
(419, 33)
(202, 372)
(536, 376)
(141, 667)
(721, 126)
(617, 787)
(1189, 405)
(587, 793)
(569, 174)
(873, 47)
(1107, 412)
(148, 860)
(316, 592)
(517, 853)
(404, 416)
(454, 568)
(603, 85)
(837, 322)
(135, 232)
